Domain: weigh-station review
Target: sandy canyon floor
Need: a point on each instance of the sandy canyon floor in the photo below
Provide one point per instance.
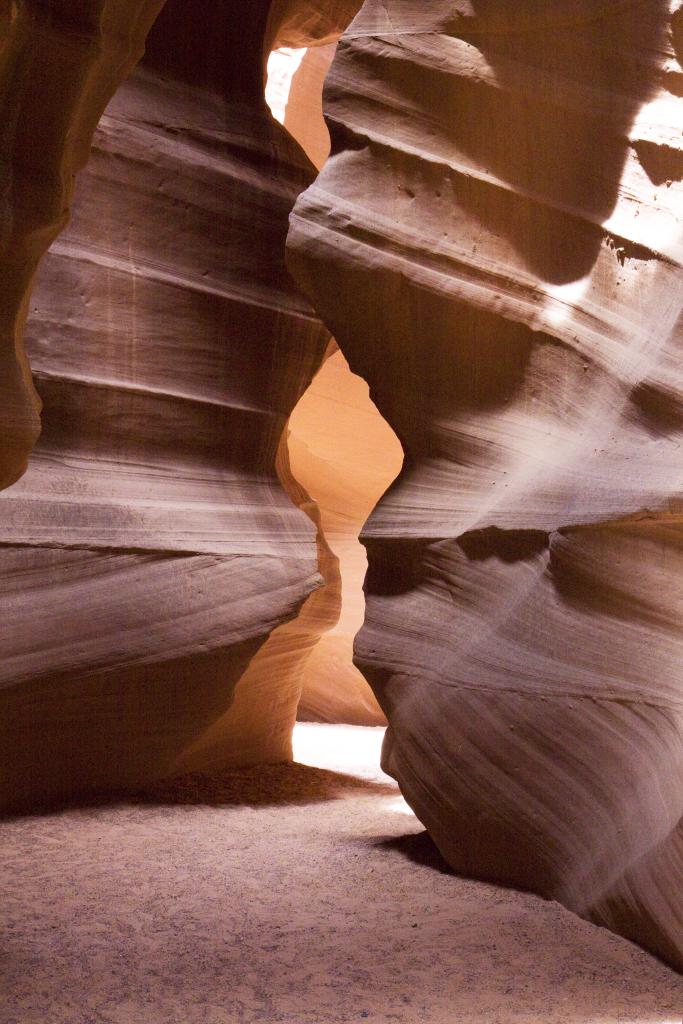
(306, 894)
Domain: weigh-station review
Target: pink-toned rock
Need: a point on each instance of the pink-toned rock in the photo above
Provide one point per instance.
(150, 551)
(495, 246)
(58, 68)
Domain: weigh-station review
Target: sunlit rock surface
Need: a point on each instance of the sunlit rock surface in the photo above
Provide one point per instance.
(294, 93)
(346, 456)
(149, 551)
(495, 245)
(340, 448)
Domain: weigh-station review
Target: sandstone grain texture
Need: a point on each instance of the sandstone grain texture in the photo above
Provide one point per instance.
(495, 245)
(291, 894)
(150, 551)
(59, 65)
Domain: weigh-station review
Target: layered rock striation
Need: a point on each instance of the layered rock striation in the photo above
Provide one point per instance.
(495, 245)
(149, 551)
(59, 65)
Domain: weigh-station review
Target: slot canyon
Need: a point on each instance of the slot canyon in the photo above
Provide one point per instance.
(341, 528)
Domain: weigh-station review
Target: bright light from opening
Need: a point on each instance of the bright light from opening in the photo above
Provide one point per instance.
(401, 807)
(351, 749)
(283, 64)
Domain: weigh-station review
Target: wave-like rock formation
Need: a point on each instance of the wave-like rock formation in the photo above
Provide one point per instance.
(494, 244)
(149, 550)
(59, 65)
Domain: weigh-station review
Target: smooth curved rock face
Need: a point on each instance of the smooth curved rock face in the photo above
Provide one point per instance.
(149, 551)
(495, 245)
(60, 63)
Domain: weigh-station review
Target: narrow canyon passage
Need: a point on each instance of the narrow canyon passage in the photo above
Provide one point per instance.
(341, 450)
(230, 321)
(292, 894)
(345, 456)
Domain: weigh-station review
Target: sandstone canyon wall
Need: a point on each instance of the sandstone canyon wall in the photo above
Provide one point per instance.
(494, 243)
(59, 65)
(346, 456)
(340, 448)
(149, 550)
(495, 246)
